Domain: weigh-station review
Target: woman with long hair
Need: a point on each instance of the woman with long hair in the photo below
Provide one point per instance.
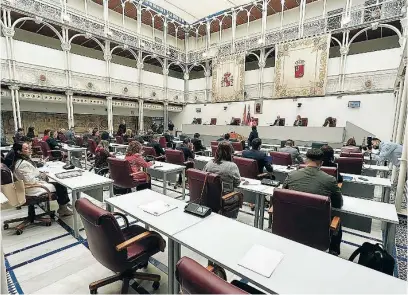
(53, 144)
(134, 155)
(127, 135)
(25, 169)
(102, 154)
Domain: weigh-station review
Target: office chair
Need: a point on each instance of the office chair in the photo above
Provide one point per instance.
(92, 146)
(177, 157)
(350, 149)
(305, 121)
(151, 152)
(163, 142)
(121, 174)
(304, 218)
(350, 165)
(214, 142)
(280, 158)
(329, 170)
(31, 201)
(248, 168)
(351, 155)
(52, 155)
(119, 139)
(213, 121)
(196, 279)
(214, 149)
(237, 146)
(123, 251)
(211, 195)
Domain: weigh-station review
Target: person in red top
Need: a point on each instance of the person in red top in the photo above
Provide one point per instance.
(46, 134)
(137, 162)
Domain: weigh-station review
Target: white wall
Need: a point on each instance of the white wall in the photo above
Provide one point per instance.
(88, 65)
(374, 115)
(123, 72)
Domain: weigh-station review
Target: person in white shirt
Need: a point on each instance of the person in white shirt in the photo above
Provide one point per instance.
(25, 169)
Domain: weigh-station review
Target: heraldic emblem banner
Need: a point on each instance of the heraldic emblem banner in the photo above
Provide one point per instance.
(228, 78)
(301, 67)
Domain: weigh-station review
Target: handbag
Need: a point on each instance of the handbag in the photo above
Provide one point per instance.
(14, 192)
(375, 257)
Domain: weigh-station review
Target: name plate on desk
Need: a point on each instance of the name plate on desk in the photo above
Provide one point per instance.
(261, 260)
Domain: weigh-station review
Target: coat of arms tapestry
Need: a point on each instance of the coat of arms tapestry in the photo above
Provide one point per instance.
(301, 67)
(228, 78)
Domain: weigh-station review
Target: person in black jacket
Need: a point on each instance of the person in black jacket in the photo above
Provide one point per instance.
(187, 149)
(252, 135)
(259, 156)
(328, 160)
(278, 122)
(154, 143)
(198, 145)
(122, 128)
(30, 132)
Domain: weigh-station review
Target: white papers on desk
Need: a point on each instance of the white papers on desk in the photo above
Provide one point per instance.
(157, 208)
(261, 260)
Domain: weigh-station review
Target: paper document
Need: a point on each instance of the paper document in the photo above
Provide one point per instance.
(261, 260)
(157, 208)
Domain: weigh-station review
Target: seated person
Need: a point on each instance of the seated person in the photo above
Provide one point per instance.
(227, 137)
(329, 121)
(54, 144)
(252, 135)
(105, 136)
(127, 135)
(329, 161)
(95, 135)
(25, 169)
(139, 138)
(154, 143)
(9, 159)
(18, 135)
(198, 145)
(278, 122)
(260, 157)
(169, 139)
(294, 152)
(223, 166)
(298, 121)
(350, 146)
(137, 162)
(30, 132)
(312, 180)
(46, 134)
(61, 135)
(188, 149)
(102, 154)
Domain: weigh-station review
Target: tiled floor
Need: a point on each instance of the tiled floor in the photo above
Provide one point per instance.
(49, 260)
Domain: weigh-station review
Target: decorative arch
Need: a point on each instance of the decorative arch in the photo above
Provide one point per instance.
(128, 49)
(269, 52)
(197, 65)
(379, 25)
(254, 54)
(337, 40)
(154, 57)
(42, 22)
(88, 37)
(177, 64)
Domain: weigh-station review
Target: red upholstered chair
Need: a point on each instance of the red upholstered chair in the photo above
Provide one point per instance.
(329, 170)
(61, 137)
(304, 218)
(52, 155)
(79, 141)
(150, 151)
(123, 251)
(279, 158)
(31, 201)
(350, 165)
(305, 121)
(248, 168)
(91, 146)
(163, 142)
(196, 279)
(214, 142)
(213, 121)
(211, 196)
(177, 157)
(121, 174)
(119, 139)
(36, 147)
(214, 149)
(130, 140)
(352, 155)
(237, 146)
(350, 149)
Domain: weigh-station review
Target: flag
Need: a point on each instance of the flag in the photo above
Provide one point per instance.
(248, 119)
(244, 117)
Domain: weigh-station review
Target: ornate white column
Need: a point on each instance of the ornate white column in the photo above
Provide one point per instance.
(70, 108)
(139, 18)
(165, 27)
(108, 57)
(8, 33)
(233, 28)
(66, 48)
(165, 79)
(398, 100)
(141, 113)
(186, 35)
(165, 115)
(109, 107)
(261, 64)
(282, 13)
(186, 78)
(207, 81)
(208, 27)
(14, 107)
(264, 16)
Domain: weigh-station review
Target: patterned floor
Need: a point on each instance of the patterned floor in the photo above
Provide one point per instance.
(49, 260)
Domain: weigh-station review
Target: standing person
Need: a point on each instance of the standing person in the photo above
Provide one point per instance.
(30, 132)
(25, 169)
(294, 153)
(171, 127)
(122, 128)
(137, 162)
(154, 127)
(298, 121)
(160, 129)
(252, 135)
(19, 134)
(314, 181)
(95, 135)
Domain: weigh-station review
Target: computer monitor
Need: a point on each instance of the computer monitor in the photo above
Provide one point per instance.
(318, 145)
(283, 143)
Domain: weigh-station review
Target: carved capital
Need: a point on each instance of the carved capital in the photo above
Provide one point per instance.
(107, 56)
(186, 76)
(165, 72)
(140, 65)
(207, 73)
(66, 46)
(374, 26)
(69, 92)
(88, 35)
(38, 20)
(109, 98)
(261, 64)
(125, 46)
(8, 32)
(344, 50)
(13, 87)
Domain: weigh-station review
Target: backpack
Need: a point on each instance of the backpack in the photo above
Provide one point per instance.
(375, 257)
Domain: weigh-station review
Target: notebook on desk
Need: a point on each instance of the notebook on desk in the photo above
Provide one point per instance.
(157, 208)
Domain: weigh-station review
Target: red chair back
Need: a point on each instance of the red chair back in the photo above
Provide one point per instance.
(62, 137)
(36, 141)
(305, 121)
(213, 121)
(237, 146)
(149, 151)
(214, 149)
(350, 165)
(120, 173)
(247, 167)
(302, 217)
(45, 148)
(280, 158)
(212, 192)
(350, 149)
(163, 142)
(174, 156)
(352, 155)
(79, 141)
(196, 279)
(329, 170)
(119, 139)
(214, 142)
(103, 234)
(91, 146)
